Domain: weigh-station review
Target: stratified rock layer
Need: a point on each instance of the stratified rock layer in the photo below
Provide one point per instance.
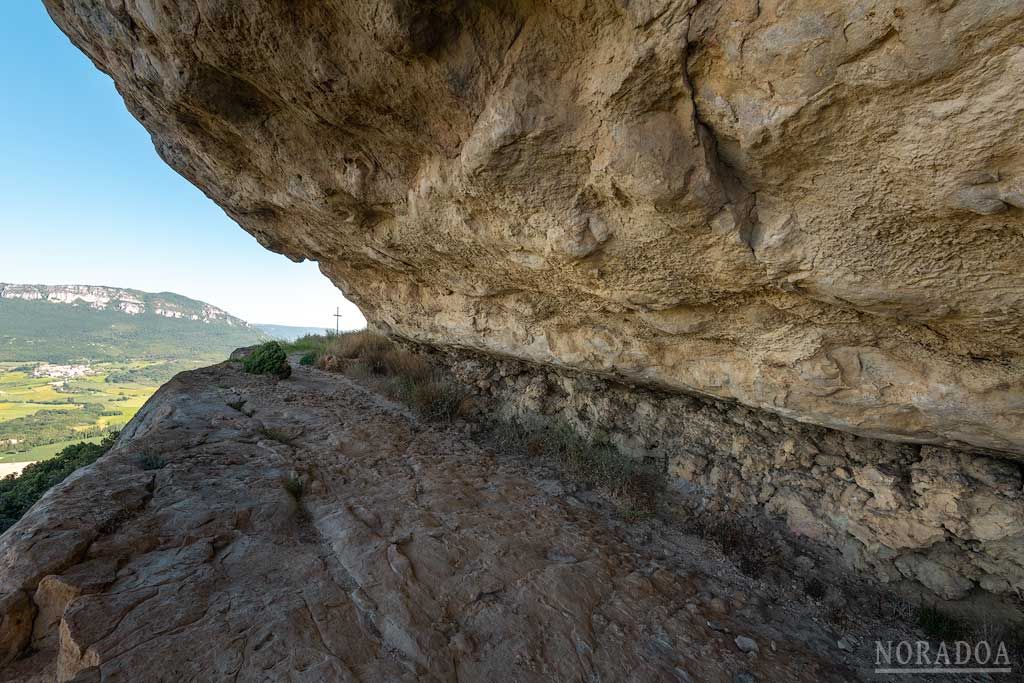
(811, 207)
(306, 530)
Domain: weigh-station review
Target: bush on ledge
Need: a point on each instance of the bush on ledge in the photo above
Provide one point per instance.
(268, 359)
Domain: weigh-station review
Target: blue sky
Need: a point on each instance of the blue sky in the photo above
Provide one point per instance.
(84, 199)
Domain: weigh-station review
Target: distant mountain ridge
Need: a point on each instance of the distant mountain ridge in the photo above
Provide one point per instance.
(128, 301)
(289, 333)
(89, 323)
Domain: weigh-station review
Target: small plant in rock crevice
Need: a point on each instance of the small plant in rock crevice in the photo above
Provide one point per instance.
(278, 434)
(294, 486)
(150, 461)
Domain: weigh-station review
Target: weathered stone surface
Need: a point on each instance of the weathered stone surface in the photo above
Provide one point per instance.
(410, 555)
(948, 520)
(811, 207)
(16, 614)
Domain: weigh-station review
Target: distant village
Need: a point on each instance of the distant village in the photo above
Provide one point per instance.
(62, 371)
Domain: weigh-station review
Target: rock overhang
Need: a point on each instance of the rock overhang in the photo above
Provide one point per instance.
(813, 209)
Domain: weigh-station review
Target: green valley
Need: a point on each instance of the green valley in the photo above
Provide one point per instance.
(77, 362)
(38, 413)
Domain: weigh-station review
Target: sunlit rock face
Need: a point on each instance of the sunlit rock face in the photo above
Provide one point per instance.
(812, 207)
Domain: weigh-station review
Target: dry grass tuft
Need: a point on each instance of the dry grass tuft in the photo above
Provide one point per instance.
(755, 554)
(343, 351)
(430, 395)
(411, 378)
(401, 374)
(635, 485)
(350, 345)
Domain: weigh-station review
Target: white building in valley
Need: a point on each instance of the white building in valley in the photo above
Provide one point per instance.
(62, 371)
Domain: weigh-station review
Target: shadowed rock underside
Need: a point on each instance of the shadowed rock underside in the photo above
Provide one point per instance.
(814, 208)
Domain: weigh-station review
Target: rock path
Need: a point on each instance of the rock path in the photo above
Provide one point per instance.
(409, 554)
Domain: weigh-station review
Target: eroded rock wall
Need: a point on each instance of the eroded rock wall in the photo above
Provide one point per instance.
(811, 207)
(950, 521)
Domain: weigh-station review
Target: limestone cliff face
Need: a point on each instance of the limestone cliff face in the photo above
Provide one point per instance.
(811, 207)
(128, 301)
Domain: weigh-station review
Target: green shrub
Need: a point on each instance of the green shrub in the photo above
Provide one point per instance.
(268, 359)
(294, 486)
(308, 359)
(430, 395)
(19, 492)
(151, 462)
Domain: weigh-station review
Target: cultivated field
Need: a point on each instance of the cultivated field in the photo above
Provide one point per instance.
(39, 416)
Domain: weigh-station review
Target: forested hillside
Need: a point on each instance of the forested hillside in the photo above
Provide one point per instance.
(64, 333)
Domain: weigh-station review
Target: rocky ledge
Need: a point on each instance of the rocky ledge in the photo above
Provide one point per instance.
(244, 528)
(811, 207)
